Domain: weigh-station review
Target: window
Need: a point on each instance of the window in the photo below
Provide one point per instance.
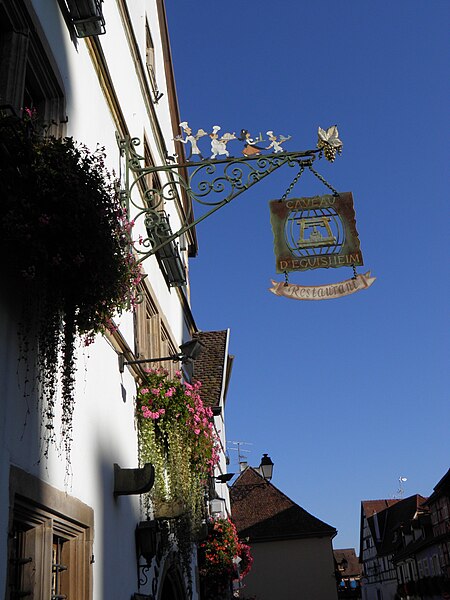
(153, 339)
(49, 552)
(27, 79)
(436, 566)
(420, 567)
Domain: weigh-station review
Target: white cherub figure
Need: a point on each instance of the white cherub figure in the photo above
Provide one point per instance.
(219, 145)
(275, 143)
(191, 139)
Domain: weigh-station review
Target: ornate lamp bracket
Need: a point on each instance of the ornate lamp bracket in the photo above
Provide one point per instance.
(200, 181)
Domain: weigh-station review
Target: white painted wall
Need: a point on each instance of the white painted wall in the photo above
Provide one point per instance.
(103, 425)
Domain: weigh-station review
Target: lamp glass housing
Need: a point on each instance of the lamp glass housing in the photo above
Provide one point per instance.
(266, 467)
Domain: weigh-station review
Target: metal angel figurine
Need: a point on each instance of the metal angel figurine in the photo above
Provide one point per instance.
(275, 142)
(250, 148)
(219, 145)
(329, 142)
(191, 139)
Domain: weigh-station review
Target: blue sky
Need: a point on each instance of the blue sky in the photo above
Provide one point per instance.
(346, 395)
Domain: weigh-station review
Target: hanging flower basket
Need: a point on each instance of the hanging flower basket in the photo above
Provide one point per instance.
(169, 510)
(65, 240)
(222, 558)
(176, 435)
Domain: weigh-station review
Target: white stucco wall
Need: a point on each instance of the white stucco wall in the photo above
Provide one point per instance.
(103, 423)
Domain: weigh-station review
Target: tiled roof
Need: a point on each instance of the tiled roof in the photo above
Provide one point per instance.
(442, 488)
(209, 366)
(391, 519)
(368, 508)
(354, 567)
(371, 506)
(261, 512)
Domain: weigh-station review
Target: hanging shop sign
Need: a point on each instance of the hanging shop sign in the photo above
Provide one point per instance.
(322, 292)
(315, 233)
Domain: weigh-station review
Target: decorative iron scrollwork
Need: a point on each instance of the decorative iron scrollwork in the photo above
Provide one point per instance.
(200, 181)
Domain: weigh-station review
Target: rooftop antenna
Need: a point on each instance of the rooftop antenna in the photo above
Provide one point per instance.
(401, 491)
(241, 458)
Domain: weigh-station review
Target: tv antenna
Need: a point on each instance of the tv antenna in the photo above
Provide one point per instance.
(401, 491)
(240, 451)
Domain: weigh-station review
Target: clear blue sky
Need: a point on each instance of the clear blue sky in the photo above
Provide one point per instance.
(345, 395)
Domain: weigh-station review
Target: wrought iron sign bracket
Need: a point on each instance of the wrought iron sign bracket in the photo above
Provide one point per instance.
(229, 177)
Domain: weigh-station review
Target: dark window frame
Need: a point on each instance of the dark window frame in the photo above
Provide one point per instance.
(39, 515)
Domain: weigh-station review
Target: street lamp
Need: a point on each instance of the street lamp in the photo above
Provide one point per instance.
(189, 351)
(266, 467)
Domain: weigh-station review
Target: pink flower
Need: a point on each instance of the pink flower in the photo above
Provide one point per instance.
(144, 391)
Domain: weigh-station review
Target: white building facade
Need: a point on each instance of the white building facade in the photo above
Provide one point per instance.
(63, 531)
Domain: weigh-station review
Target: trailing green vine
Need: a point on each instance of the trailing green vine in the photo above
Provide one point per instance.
(65, 240)
(177, 436)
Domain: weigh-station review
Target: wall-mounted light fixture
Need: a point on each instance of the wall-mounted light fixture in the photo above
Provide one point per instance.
(86, 17)
(189, 351)
(218, 508)
(148, 536)
(266, 467)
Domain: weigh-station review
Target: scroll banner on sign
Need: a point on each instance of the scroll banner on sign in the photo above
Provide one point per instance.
(322, 292)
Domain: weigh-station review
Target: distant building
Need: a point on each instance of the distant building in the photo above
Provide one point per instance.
(292, 549)
(380, 528)
(422, 556)
(348, 573)
(439, 505)
(213, 369)
(72, 523)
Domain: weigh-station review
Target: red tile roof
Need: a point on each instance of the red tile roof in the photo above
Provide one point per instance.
(262, 512)
(371, 506)
(354, 568)
(209, 368)
(442, 488)
(397, 515)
